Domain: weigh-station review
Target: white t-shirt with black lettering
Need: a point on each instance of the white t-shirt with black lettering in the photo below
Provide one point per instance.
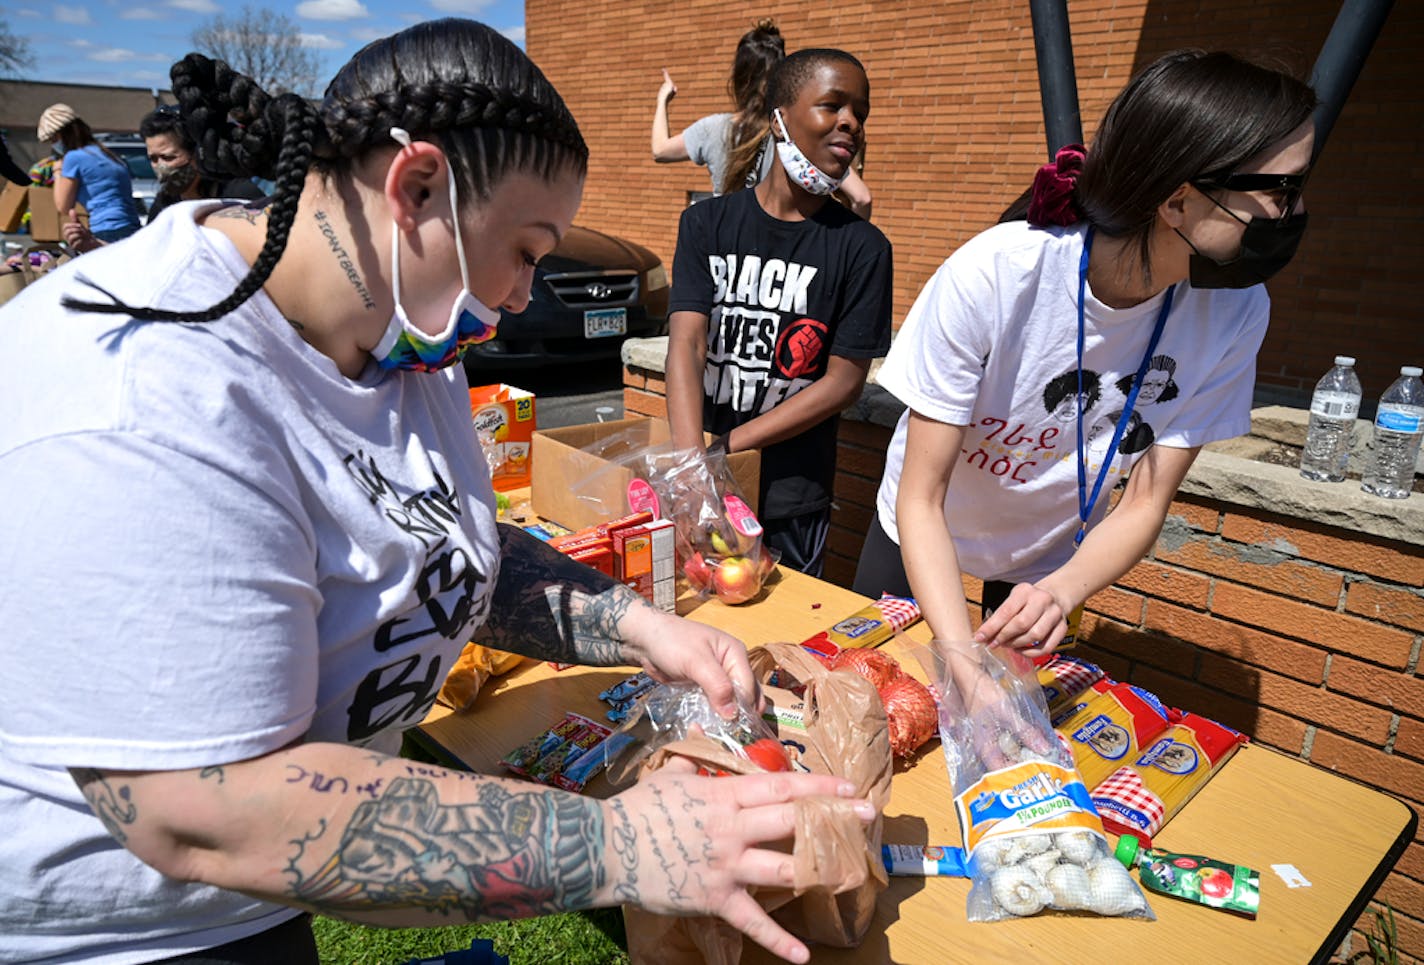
(781, 297)
(217, 545)
(991, 344)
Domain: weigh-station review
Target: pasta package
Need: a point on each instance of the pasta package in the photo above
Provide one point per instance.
(1141, 797)
(1112, 729)
(1063, 678)
(870, 626)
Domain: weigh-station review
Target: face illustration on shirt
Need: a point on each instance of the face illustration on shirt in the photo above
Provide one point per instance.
(1061, 396)
(1157, 383)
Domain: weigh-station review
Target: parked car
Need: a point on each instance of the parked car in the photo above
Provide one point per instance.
(589, 294)
(133, 152)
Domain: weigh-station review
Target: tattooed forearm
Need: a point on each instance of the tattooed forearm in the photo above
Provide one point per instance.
(550, 607)
(109, 802)
(343, 259)
(509, 854)
(625, 845)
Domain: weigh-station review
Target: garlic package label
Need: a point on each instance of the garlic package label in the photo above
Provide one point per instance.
(1033, 797)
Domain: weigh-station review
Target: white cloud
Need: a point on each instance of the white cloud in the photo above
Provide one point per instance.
(196, 6)
(515, 34)
(332, 10)
(81, 42)
(27, 12)
(148, 77)
(466, 7)
(72, 15)
(321, 42)
(367, 34)
(113, 55)
(140, 13)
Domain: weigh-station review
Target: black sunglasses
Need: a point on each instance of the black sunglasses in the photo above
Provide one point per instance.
(1289, 186)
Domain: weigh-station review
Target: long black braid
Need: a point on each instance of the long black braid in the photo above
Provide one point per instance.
(241, 131)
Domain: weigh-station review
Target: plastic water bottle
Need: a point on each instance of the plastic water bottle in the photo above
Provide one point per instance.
(1333, 409)
(1399, 426)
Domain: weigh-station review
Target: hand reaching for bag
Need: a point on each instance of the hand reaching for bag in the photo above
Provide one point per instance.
(680, 844)
(1032, 619)
(79, 238)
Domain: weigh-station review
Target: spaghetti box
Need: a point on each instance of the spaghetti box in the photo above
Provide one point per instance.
(663, 534)
(572, 484)
(505, 422)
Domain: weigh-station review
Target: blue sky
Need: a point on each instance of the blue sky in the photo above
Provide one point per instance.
(132, 43)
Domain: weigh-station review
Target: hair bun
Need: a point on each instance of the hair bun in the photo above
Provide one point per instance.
(1051, 199)
(766, 25)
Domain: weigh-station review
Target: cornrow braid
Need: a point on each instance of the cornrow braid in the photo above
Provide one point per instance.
(287, 119)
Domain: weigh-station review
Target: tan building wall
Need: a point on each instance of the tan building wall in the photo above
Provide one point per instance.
(956, 132)
(102, 108)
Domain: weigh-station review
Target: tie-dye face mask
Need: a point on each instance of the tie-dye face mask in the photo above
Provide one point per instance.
(471, 321)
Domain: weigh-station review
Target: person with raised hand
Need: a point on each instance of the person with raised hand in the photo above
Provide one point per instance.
(1103, 341)
(260, 531)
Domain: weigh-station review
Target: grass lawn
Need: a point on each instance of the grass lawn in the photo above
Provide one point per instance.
(592, 938)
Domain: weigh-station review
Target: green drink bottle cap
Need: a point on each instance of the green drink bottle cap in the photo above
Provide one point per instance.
(1127, 847)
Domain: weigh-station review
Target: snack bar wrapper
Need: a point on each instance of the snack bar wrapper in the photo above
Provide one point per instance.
(1024, 813)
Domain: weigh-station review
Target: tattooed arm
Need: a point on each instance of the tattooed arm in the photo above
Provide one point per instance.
(550, 607)
(351, 834)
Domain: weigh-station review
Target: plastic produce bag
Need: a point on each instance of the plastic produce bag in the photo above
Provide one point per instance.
(1024, 814)
(719, 539)
(836, 727)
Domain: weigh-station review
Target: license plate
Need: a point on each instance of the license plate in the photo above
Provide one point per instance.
(602, 322)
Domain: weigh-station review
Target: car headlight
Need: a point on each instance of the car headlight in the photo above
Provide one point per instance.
(657, 277)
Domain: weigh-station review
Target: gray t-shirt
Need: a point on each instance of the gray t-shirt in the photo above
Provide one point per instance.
(219, 545)
(708, 141)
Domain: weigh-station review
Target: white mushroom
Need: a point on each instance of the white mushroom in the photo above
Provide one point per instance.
(1018, 891)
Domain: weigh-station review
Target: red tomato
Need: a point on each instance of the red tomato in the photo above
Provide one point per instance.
(768, 754)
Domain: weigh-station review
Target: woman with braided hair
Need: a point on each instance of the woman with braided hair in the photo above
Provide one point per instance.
(1027, 363)
(259, 529)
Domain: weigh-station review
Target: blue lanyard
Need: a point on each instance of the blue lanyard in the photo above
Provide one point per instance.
(1086, 502)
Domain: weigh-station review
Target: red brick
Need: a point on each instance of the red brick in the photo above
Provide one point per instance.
(1411, 863)
(1205, 516)
(1169, 582)
(867, 435)
(1401, 692)
(1233, 640)
(641, 403)
(1388, 772)
(656, 384)
(1402, 608)
(1302, 581)
(1359, 552)
(1334, 631)
(1118, 604)
(634, 378)
(1114, 665)
(860, 461)
(1409, 738)
(1267, 726)
(1314, 705)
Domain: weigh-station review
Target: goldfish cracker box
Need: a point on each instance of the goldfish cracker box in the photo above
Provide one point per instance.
(504, 421)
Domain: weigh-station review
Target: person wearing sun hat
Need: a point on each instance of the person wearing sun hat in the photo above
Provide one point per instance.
(89, 174)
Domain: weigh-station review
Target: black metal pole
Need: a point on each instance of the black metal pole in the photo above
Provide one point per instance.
(1057, 81)
(1341, 59)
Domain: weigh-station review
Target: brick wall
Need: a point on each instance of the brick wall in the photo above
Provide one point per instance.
(1306, 637)
(955, 133)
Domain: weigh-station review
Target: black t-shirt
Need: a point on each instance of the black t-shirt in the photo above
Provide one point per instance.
(782, 297)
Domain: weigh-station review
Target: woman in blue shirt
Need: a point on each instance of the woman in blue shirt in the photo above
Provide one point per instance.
(90, 175)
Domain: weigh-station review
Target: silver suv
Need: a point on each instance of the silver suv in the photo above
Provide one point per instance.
(133, 152)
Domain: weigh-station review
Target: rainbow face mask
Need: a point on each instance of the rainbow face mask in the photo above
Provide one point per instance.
(404, 346)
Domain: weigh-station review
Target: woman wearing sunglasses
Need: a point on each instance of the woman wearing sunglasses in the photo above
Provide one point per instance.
(1145, 253)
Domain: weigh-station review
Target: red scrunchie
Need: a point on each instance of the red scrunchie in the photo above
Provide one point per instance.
(1051, 202)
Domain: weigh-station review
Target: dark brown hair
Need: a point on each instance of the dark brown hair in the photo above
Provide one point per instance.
(758, 53)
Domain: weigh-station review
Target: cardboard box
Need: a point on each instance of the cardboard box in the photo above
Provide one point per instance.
(505, 421)
(14, 202)
(577, 489)
(44, 219)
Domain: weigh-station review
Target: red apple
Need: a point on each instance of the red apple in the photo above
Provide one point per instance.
(736, 580)
(1216, 883)
(697, 572)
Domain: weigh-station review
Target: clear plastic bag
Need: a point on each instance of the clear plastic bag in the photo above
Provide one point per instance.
(1025, 815)
(672, 713)
(719, 540)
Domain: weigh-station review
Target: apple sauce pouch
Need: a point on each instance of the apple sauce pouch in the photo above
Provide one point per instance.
(740, 515)
(1193, 877)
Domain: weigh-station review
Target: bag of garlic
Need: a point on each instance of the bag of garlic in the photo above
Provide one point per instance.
(1036, 839)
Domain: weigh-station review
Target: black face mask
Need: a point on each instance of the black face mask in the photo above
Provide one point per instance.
(1267, 246)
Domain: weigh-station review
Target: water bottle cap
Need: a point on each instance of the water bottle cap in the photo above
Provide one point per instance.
(1344, 360)
(1413, 371)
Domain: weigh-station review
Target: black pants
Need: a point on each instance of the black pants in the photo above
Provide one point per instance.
(882, 570)
(290, 943)
(801, 540)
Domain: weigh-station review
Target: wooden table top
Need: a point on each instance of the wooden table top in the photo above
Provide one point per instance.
(1261, 809)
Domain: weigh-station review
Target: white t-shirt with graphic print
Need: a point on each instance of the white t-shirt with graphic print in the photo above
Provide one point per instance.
(991, 344)
(217, 545)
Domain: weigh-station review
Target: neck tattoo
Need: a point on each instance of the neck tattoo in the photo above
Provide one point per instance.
(343, 259)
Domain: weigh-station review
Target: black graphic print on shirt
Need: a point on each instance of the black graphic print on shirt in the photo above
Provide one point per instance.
(452, 598)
